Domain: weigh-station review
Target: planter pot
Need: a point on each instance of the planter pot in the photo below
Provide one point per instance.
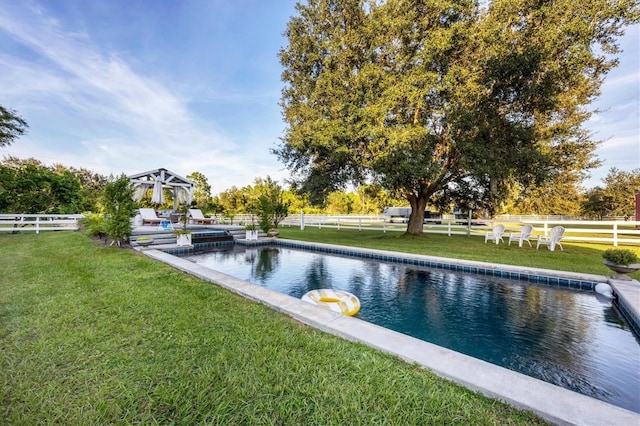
(273, 233)
(621, 271)
(251, 235)
(145, 243)
(183, 240)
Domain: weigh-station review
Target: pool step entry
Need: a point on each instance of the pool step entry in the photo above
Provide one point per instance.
(164, 238)
(241, 234)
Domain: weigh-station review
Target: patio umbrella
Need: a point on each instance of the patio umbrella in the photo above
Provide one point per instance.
(158, 193)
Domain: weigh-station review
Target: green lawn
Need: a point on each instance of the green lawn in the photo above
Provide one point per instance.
(93, 336)
(576, 257)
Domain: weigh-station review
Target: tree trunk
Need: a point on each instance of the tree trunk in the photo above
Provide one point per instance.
(416, 219)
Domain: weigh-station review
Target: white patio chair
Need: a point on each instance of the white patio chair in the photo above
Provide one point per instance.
(149, 217)
(523, 235)
(496, 234)
(198, 217)
(556, 234)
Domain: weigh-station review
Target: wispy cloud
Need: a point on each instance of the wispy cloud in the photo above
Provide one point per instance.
(136, 123)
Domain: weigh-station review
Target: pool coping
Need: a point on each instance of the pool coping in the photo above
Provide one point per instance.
(550, 402)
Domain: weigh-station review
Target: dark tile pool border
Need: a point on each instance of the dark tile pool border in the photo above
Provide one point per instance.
(178, 251)
(629, 314)
(494, 270)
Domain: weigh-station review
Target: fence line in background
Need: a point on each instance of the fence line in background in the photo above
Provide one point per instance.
(39, 222)
(613, 232)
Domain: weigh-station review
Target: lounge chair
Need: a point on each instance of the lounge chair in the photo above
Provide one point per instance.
(149, 217)
(556, 234)
(198, 217)
(521, 236)
(496, 234)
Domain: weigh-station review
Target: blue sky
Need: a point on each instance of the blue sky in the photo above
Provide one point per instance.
(129, 86)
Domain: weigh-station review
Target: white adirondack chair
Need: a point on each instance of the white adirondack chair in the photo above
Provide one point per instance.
(523, 235)
(496, 234)
(553, 240)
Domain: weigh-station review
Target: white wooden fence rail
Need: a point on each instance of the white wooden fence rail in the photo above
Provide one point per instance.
(613, 232)
(38, 222)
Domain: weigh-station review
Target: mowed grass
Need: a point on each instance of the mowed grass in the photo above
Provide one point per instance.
(576, 257)
(93, 336)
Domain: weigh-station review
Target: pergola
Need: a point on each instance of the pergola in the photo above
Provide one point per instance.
(161, 179)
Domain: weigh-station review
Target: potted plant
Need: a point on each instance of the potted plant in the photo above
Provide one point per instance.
(183, 235)
(251, 232)
(622, 262)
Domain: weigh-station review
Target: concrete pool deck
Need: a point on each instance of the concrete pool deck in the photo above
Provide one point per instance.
(550, 402)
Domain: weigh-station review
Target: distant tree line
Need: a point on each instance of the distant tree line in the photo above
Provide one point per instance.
(29, 186)
(615, 198)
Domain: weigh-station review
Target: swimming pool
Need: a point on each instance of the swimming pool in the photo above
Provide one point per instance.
(564, 337)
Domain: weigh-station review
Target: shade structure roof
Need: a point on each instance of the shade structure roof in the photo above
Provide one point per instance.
(159, 180)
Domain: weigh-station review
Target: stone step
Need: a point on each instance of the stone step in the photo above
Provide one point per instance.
(168, 238)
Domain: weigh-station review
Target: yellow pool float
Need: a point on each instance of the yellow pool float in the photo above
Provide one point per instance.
(334, 300)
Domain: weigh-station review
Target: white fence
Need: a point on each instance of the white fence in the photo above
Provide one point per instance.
(38, 222)
(613, 232)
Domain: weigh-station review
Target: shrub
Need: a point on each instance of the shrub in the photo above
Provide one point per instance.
(265, 223)
(92, 224)
(620, 256)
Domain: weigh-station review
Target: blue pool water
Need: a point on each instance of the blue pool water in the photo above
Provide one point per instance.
(569, 338)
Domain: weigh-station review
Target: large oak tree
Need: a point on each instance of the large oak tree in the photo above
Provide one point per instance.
(435, 97)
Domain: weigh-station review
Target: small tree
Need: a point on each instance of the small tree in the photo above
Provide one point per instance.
(270, 205)
(119, 207)
(183, 215)
(597, 203)
(201, 191)
(620, 189)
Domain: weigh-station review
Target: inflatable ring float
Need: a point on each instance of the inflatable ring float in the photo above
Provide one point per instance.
(334, 300)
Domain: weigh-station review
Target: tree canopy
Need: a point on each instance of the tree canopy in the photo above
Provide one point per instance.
(12, 126)
(434, 99)
(28, 186)
(617, 197)
(201, 190)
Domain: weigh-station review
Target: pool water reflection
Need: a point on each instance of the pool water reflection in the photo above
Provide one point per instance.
(565, 337)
